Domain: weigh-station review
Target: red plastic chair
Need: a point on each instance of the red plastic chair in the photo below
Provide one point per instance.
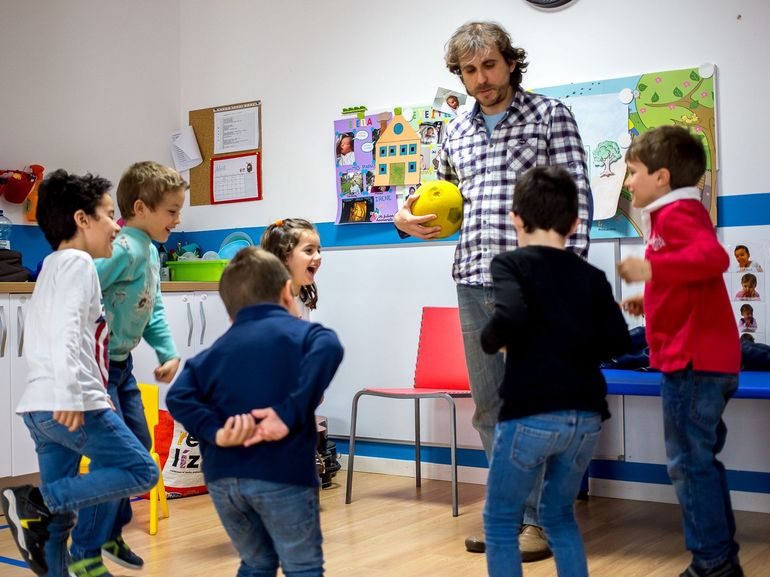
(441, 373)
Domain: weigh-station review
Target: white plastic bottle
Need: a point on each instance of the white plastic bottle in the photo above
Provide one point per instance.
(5, 232)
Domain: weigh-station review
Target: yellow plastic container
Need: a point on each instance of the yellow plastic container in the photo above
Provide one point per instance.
(196, 270)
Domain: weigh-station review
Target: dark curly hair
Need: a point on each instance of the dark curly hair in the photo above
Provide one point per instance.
(60, 196)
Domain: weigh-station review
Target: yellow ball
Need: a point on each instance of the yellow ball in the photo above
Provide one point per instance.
(443, 199)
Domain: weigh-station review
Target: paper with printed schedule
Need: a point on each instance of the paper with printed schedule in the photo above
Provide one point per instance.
(184, 149)
(236, 128)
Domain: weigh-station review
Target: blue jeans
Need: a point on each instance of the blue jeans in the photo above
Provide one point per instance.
(120, 467)
(88, 536)
(558, 445)
(485, 372)
(270, 523)
(693, 403)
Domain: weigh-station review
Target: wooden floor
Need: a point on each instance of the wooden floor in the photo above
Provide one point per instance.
(390, 531)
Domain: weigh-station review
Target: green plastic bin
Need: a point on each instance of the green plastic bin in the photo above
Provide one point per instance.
(196, 270)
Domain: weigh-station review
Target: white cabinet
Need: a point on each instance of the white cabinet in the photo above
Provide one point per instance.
(6, 407)
(15, 439)
(196, 320)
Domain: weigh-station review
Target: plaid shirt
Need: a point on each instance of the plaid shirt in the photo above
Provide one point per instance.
(535, 131)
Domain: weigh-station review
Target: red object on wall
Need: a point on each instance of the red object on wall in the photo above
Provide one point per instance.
(17, 185)
(30, 205)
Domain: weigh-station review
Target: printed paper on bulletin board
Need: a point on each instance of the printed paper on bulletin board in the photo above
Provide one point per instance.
(236, 178)
(210, 138)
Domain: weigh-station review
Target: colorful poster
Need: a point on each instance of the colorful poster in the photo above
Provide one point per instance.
(746, 285)
(609, 113)
(358, 199)
(430, 125)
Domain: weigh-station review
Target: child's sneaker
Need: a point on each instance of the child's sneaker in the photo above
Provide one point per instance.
(91, 567)
(119, 552)
(28, 518)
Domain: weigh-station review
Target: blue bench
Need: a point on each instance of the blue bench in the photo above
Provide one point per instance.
(752, 385)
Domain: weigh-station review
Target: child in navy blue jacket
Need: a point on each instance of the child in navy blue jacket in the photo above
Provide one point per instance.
(250, 401)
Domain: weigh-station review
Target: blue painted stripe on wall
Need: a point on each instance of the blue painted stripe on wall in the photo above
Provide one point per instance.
(332, 236)
(749, 481)
(743, 210)
(30, 241)
(736, 210)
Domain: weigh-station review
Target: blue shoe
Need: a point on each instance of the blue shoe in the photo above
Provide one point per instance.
(118, 552)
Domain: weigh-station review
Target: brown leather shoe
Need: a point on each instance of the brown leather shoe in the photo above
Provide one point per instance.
(532, 544)
(475, 544)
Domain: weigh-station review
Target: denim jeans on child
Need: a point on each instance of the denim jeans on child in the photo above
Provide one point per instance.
(693, 403)
(485, 372)
(127, 399)
(119, 467)
(270, 523)
(559, 445)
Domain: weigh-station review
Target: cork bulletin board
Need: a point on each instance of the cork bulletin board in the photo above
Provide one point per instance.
(203, 123)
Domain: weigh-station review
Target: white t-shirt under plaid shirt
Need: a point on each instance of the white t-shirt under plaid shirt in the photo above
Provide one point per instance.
(535, 131)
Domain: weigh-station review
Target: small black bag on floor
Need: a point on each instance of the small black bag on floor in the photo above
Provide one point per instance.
(11, 269)
(331, 464)
(326, 456)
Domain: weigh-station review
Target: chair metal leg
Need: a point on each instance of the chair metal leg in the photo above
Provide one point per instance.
(417, 464)
(453, 453)
(352, 447)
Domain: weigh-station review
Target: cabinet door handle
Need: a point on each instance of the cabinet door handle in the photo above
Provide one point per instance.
(189, 325)
(4, 337)
(203, 320)
(20, 327)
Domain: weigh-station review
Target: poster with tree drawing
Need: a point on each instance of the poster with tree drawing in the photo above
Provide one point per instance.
(609, 113)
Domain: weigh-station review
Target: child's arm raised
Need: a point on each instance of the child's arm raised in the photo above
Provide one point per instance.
(692, 251)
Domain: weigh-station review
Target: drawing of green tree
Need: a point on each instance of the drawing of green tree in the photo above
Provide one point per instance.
(681, 98)
(605, 154)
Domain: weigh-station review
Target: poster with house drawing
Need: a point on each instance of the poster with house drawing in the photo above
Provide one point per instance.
(397, 154)
(358, 199)
(609, 113)
(382, 158)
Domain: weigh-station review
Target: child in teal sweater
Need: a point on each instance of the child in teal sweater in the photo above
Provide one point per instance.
(150, 197)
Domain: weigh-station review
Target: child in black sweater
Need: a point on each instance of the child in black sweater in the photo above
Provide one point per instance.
(556, 318)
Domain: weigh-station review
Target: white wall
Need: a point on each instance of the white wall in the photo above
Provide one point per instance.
(87, 85)
(306, 60)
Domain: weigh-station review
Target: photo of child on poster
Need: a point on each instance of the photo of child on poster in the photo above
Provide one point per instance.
(354, 146)
(746, 284)
(357, 199)
(449, 101)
